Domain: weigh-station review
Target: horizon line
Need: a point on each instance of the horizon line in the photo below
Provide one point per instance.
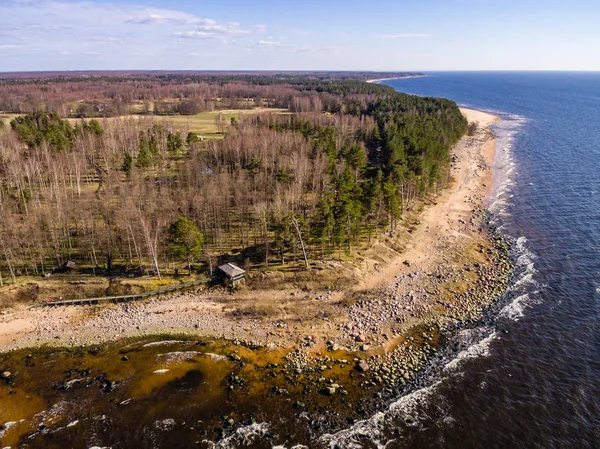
(305, 70)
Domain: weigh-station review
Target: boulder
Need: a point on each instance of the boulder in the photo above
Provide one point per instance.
(362, 366)
(329, 391)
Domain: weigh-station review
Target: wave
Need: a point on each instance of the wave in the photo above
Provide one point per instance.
(408, 408)
(479, 348)
(411, 409)
(243, 436)
(522, 290)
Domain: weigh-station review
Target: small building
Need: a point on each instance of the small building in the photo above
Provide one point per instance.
(232, 273)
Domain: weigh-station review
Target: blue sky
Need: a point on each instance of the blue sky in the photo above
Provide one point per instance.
(300, 35)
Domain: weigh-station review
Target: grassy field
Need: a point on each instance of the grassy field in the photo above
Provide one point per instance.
(204, 123)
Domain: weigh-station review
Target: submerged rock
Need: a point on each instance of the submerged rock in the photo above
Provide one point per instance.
(328, 391)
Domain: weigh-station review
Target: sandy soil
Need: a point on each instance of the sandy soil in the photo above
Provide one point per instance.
(396, 78)
(397, 291)
(472, 178)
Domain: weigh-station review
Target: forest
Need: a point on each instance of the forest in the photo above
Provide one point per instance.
(95, 172)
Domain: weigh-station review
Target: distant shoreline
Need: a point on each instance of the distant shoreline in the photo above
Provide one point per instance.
(378, 80)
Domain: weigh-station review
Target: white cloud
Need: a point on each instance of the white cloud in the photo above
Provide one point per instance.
(194, 35)
(46, 29)
(273, 45)
(268, 44)
(225, 27)
(153, 18)
(106, 40)
(405, 35)
(165, 17)
(316, 49)
(23, 19)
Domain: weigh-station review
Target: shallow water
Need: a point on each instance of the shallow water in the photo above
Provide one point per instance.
(158, 392)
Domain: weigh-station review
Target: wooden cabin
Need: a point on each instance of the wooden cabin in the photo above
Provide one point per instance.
(232, 274)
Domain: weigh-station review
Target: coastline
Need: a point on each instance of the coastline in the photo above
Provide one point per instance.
(446, 227)
(378, 80)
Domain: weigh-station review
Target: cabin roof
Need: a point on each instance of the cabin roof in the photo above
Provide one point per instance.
(231, 270)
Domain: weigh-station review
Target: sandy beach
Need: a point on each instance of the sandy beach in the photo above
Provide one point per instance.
(393, 290)
(377, 80)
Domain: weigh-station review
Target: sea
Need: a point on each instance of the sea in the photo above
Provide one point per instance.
(530, 376)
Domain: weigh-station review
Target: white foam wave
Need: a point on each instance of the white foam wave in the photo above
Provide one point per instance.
(499, 202)
(525, 286)
(297, 446)
(479, 349)
(244, 436)
(525, 279)
(408, 408)
(522, 290)
(7, 425)
(504, 165)
(515, 309)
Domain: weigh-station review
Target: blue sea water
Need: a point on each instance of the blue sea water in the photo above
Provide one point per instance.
(531, 378)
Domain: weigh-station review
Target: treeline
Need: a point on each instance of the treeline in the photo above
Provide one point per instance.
(136, 194)
(246, 76)
(167, 94)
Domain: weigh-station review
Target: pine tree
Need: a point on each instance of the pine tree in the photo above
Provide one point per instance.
(392, 201)
(174, 143)
(185, 240)
(323, 223)
(347, 209)
(143, 158)
(127, 164)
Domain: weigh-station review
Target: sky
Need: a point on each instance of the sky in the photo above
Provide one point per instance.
(386, 35)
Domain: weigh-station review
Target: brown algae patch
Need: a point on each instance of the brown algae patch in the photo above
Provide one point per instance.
(218, 383)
